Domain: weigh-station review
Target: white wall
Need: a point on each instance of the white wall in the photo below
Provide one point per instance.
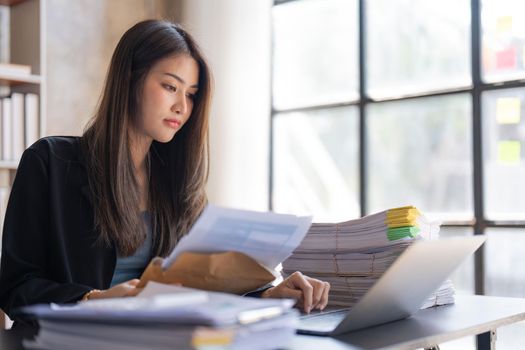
(235, 36)
(81, 36)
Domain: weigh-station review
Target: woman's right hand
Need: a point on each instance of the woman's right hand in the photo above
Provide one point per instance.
(125, 289)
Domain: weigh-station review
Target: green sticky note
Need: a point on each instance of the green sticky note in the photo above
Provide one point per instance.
(509, 152)
(401, 232)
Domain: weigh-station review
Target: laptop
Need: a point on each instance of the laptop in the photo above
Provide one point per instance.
(401, 290)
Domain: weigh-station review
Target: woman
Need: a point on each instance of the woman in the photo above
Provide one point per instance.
(86, 214)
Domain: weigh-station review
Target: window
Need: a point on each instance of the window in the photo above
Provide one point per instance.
(316, 162)
(315, 53)
(416, 46)
(380, 103)
(420, 152)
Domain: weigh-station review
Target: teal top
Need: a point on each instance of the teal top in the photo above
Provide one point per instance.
(132, 266)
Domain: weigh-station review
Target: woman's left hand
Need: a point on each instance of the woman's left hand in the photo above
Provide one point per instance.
(310, 293)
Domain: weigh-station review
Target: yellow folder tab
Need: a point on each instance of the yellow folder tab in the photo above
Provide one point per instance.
(409, 215)
(400, 208)
(209, 336)
(403, 216)
(402, 224)
(402, 212)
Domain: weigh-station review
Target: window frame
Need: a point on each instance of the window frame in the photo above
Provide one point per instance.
(479, 223)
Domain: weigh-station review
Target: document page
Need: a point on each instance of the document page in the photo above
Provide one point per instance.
(267, 237)
(167, 304)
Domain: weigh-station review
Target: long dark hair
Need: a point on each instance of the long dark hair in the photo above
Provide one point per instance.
(178, 170)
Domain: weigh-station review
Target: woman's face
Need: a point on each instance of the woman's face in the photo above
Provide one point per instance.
(167, 97)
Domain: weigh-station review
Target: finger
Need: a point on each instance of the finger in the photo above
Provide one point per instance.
(324, 299)
(299, 282)
(317, 293)
(133, 292)
(133, 282)
(291, 293)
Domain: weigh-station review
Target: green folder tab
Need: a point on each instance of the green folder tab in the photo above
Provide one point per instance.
(401, 232)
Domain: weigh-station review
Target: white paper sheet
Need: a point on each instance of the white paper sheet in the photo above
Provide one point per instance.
(155, 296)
(163, 304)
(267, 237)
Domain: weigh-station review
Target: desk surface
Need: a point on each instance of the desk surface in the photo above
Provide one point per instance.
(470, 315)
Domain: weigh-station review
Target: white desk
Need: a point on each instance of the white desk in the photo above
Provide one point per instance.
(470, 315)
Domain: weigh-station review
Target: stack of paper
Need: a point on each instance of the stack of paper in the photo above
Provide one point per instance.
(166, 317)
(352, 255)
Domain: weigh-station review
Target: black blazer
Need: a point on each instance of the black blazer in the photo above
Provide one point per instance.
(50, 251)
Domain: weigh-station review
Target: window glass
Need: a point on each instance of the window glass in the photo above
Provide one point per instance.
(505, 276)
(420, 153)
(503, 39)
(315, 53)
(315, 162)
(415, 46)
(504, 153)
(463, 277)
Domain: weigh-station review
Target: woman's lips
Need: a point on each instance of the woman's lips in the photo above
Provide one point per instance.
(172, 123)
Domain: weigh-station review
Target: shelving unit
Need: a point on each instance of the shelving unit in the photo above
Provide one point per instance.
(13, 80)
(8, 165)
(10, 2)
(26, 47)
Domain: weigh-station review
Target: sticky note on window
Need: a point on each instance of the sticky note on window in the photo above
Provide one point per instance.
(523, 56)
(504, 24)
(509, 152)
(508, 110)
(506, 59)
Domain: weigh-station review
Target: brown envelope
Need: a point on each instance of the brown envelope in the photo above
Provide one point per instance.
(230, 272)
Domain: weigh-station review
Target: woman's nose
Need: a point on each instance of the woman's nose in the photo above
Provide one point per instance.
(180, 106)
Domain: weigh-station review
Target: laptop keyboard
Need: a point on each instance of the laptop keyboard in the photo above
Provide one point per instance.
(324, 321)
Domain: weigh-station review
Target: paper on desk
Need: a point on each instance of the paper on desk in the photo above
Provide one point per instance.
(154, 289)
(155, 296)
(267, 237)
(215, 309)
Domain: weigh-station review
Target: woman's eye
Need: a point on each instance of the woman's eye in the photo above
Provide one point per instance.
(170, 88)
(191, 96)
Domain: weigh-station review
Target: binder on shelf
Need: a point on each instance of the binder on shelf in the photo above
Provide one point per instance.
(17, 105)
(31, 119)
(1, 130)
(7, 151)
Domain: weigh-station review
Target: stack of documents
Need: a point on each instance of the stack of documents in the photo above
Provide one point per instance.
(166, 317)
(371, 232)
(352, 255)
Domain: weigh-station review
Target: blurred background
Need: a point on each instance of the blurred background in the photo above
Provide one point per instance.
(336, 108)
